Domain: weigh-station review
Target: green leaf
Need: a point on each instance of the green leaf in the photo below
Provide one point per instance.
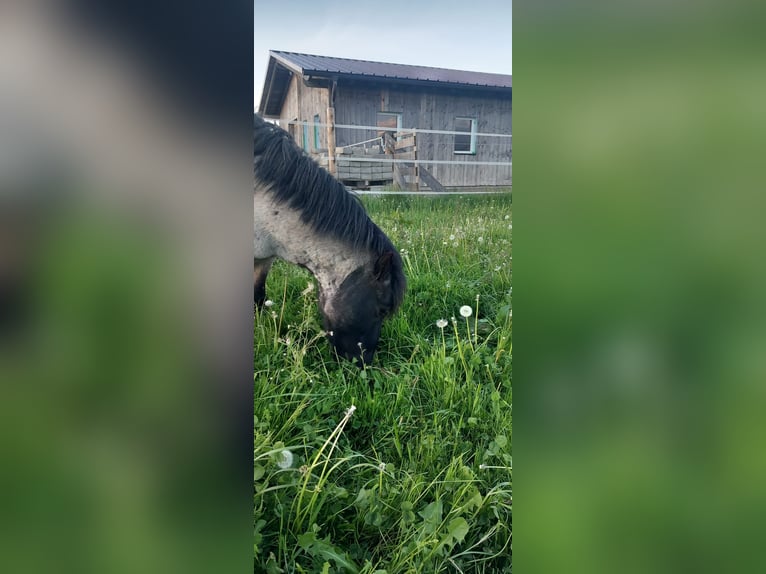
(307, 540)
(325, 550)
(257, 536)
(457, 529)
(271, 565)
(373, 517)
(432, 512)
(475, 501)
(432, 515)
(501, 440)
(363, 498)
(258, 472)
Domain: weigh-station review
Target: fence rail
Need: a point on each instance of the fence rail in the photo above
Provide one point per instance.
(399, 130)
(410, 158)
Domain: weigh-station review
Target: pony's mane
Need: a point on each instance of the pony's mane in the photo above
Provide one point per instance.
(297, 180)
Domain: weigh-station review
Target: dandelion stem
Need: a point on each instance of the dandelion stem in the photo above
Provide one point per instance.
(334, 436)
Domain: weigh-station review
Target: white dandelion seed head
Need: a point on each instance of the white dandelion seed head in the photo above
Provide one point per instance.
(466, 311)
(273, 314)
(507, 217)
(482, 466)
(452, 237)
(285, 459)
(480, 239)
(441, 323)
(269, 303)
(382, 466)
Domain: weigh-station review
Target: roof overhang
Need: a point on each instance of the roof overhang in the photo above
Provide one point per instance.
(278, 76)
(280, 71)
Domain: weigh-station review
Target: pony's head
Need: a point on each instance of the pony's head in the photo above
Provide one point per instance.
(353, 315)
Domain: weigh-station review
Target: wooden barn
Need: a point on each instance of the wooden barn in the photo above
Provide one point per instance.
(375, 123)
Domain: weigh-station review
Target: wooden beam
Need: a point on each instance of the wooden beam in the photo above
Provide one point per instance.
(429, 180)
(331, 140)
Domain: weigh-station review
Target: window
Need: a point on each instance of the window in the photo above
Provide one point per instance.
(317, 142)
(465, 142)
(306, 136)
(390, 121)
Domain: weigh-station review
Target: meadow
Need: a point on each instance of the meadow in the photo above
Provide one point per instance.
(404, 466)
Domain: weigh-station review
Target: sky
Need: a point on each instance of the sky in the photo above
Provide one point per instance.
(474, 35)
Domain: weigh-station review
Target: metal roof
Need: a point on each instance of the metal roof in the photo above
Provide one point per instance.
(283, 64)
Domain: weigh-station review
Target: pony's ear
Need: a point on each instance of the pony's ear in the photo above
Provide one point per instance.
(384, 266)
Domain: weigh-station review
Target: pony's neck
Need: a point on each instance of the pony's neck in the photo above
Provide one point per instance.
(331, 261)
(279, 231)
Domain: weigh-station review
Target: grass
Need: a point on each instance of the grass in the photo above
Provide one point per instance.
(405, 466)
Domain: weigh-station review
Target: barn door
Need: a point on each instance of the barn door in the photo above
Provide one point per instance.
(292, 129)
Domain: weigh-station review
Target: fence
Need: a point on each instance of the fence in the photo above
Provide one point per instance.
(411, 159)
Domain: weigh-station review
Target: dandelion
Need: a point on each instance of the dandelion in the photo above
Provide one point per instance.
(452, 237)
(382, 466)
(269, 303)
(466, 311)
(482, 466)
(480, 239)
(285, 459)
(441, 323)
(507, 217)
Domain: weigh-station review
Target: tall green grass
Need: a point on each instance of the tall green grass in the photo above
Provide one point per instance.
(405, 466)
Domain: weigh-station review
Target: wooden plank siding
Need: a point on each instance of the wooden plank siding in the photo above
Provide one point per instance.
(435, 110)
(430, 108)
(303, 103)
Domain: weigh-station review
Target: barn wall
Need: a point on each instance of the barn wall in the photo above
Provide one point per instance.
(302, 103)
(434, 109)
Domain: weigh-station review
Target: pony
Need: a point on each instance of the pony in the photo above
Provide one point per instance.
(305, 216)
